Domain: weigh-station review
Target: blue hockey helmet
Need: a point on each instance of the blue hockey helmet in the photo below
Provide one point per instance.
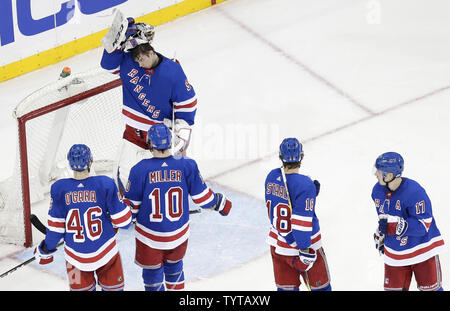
(79, 157)
(390, 162)
(291, 150)
(159, 137)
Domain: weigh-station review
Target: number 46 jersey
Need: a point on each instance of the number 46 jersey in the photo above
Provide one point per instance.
(84, 213)
(158, 191)
(294, 229)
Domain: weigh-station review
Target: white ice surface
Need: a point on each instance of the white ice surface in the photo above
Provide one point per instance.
(349, 78)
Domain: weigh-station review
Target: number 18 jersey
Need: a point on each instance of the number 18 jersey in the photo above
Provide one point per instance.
(294, 229)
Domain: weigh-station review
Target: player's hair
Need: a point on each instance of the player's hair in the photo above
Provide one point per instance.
(141, 49)
(293, 165)
(151, 149)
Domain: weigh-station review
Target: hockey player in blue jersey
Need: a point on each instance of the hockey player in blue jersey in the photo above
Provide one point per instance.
(407, 233)
(158, 191)
(155, 90)
(86, 211)
(294, 237)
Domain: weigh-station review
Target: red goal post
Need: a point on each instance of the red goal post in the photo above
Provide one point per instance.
(82, 108)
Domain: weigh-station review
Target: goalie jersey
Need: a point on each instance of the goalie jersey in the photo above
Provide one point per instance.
(158, 191)
(422, 239)
(296, 229)
(84, 213)
(150, 96)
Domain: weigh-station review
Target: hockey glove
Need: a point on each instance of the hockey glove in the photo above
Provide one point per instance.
(392, 225)
(306, 259)
(223, 205)
(42, 254)
(379, 241)
(317, 184)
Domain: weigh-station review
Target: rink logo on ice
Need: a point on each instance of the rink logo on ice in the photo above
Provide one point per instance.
(29, 26)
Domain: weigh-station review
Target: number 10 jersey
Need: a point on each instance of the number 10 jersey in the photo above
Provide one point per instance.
(158, 191)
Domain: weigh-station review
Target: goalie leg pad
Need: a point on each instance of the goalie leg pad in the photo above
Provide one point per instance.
(131, 152)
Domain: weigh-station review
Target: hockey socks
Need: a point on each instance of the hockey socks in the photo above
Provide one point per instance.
(153, 279)
(174, 275)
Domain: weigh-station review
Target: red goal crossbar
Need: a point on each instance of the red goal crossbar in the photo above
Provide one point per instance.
(25, 182)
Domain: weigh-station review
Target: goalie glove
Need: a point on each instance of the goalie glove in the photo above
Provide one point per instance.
(116, 34)
(43, 255)
(181, 133)
(223, 205)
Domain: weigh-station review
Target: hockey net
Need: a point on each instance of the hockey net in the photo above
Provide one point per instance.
(82, 108)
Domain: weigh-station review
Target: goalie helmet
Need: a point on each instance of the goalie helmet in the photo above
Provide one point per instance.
(79, 157)
(159, 137)
(143, 33)
(390, 162)
(291, 150)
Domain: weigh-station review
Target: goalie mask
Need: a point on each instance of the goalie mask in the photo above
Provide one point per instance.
(144, 34)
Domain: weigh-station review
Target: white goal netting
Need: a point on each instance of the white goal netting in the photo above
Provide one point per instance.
(82, 108)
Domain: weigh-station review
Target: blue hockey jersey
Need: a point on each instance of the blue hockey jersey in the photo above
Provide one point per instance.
(83, 212)
(422, 239)
(296, 229)
(150, 96)
(159, 189)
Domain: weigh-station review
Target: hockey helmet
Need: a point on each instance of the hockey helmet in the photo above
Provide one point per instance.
(79, 157)
(390, 162)
(159, 137)
(291, 150)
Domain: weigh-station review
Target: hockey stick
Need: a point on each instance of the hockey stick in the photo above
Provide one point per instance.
(17, 267)
(39, 226)
(283, 174)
